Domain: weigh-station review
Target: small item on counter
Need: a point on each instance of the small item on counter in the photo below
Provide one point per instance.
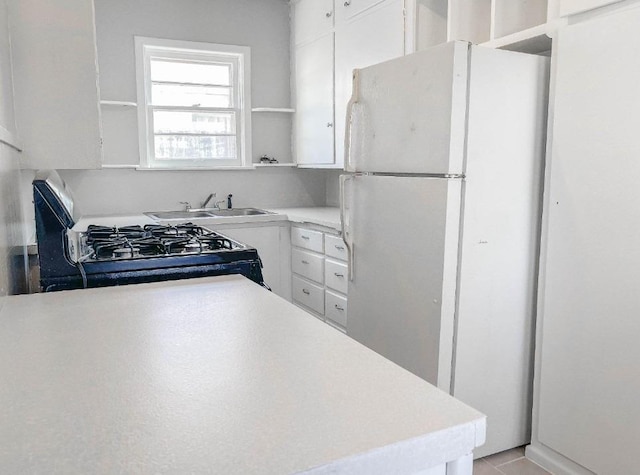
(266, 159)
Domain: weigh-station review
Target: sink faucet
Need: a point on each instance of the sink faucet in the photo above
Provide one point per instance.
(206, 202)
(217, 204)
(187, 205)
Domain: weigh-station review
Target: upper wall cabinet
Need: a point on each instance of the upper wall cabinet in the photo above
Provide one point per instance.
(331, 39)
(53, 45)
(313, 18)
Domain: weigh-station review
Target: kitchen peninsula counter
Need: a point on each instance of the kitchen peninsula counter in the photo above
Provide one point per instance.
(210, 375)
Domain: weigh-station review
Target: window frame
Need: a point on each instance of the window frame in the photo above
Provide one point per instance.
(147, 49)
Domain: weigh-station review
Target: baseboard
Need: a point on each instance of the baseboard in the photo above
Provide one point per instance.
(553, 462)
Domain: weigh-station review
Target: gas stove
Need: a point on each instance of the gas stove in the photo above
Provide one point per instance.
(100, 243)
(104, 256)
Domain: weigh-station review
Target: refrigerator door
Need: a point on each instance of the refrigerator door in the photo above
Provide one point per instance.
(408, 115)
(403, 236)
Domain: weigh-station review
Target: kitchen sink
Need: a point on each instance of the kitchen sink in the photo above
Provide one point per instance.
(206, 213)
(239, 212)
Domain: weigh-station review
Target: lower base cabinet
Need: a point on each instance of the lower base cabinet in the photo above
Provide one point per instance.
(319, 274)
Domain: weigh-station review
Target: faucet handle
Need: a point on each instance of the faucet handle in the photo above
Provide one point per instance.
(187, 205)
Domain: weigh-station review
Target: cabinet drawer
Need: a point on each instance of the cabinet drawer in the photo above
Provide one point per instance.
(307, 239)
(335, 247)
(335, 308)
(335, 275)
(308, 294)
(308, 265)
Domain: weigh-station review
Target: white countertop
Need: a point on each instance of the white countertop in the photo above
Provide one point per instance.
(211, 375)
(322, 216)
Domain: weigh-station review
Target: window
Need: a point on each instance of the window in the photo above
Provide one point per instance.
(193, 104)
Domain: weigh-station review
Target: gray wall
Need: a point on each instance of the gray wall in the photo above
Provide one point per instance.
(261, 24)
(11, 222)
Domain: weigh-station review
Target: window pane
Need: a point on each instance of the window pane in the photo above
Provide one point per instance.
(194, 147)
(191, 96)
(191, 72)
(212, 123)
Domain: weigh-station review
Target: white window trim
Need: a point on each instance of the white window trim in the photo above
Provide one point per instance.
(144, 48)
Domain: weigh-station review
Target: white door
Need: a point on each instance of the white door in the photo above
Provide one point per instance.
(410, 113)
(314, 124)
(403, 233)
(374, 36)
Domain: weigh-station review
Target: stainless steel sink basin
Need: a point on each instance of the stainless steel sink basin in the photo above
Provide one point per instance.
(179, 214)
(239, 212)
(205, 213)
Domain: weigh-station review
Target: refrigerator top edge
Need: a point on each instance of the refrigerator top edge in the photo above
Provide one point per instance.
(408, 115)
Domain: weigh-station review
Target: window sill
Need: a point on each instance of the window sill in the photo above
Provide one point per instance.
(190, 169)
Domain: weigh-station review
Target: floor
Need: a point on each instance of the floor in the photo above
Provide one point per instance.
(509, 462)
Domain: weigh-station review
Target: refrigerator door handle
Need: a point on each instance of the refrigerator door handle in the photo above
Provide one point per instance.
(345, 233)
(353, 100)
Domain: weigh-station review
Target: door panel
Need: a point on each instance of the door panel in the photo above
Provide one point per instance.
(403, 231)
(314, 102)
(313, 18)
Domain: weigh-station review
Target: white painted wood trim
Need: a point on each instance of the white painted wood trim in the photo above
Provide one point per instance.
(528, 34)
(10, 139)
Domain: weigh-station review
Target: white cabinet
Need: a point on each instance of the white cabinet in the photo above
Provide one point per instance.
(372, 37)
(365, 32)
(53, 46)
(320, 274)
(313, 18)
(589, 357)
(347, 9)
(314, 123)
(273, 245)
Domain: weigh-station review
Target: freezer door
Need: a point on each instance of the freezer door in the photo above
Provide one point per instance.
(408, 115)
(403, 235)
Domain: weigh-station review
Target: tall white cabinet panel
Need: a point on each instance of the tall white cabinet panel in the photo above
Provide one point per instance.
(375, 36)
(54, 57)
(590, 356)
(314, 123)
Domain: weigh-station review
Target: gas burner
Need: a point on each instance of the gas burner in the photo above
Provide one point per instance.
(125, 252)
(180, 230)
(104, 233)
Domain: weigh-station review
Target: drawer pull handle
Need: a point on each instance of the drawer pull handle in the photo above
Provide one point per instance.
(306, 292)
(305, 262)
(340, 248)
(337, 274)
(346, 4)
(305, 237)
(338, 307)
(328, 14)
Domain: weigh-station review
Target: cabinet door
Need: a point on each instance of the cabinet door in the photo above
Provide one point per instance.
(347, 9)
(373, 37)
(54, 57)
(314, 102)
(312, 19)
(590, 357)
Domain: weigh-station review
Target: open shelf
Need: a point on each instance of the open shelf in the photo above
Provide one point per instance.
(273, 109)
(533, 41)
(118, 104)
(275, 165)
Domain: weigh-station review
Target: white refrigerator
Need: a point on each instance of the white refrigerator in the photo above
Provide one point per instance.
(441, 218)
